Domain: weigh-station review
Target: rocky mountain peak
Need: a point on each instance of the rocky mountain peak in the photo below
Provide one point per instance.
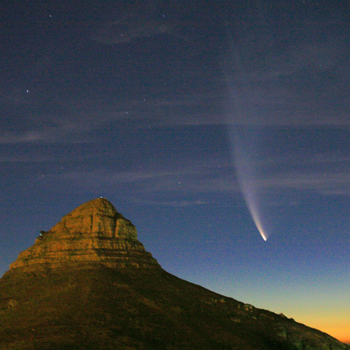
(124, 299)
(96, 217)
(93, 233)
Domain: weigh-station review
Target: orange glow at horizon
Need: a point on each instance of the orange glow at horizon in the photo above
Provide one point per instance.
(341, 334)
(338, 330)
(336, 325)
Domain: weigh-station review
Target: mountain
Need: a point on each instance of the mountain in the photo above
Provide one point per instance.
(88, 283)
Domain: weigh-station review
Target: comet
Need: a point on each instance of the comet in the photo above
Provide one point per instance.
(244, 131)
(244, 148)
(252, 202)
(258, 223)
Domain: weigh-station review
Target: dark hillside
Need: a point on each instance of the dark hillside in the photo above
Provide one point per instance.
(126, 300)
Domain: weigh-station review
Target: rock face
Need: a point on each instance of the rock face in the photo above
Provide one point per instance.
(89, 284)
(93, 233)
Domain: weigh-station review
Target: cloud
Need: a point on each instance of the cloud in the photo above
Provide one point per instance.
(180, 183)
(141, 21)
(291, 78)
(127, 30)
(292, 189)
(325, 184)
(175, 204)
(28, 136)
(58, 133)
(26, 159)
(177, 186)
(322, 173)
(106, 177)
(72, 126)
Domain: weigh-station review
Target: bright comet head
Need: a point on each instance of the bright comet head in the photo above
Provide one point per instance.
(256, 218)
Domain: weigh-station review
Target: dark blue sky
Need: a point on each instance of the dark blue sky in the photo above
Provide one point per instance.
(179, 113)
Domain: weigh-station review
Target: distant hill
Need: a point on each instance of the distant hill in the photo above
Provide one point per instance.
(88, 283)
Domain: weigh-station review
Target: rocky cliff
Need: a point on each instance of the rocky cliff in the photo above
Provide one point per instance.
(93, 233)
(88, 283)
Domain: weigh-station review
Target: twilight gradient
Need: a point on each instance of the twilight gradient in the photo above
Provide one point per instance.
(194, 119)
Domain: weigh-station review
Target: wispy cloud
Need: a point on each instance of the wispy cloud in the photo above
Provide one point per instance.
(117, 177)
(59, 133)
(28, 136)
(174, 203)
(185, 181)
(26, 159)
(174, 187)
(326, 184)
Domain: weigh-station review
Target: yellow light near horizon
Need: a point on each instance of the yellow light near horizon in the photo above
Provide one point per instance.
(332, 319)
(335, 328)
(340, 333)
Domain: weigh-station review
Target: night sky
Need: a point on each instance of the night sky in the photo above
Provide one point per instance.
(203, 122)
